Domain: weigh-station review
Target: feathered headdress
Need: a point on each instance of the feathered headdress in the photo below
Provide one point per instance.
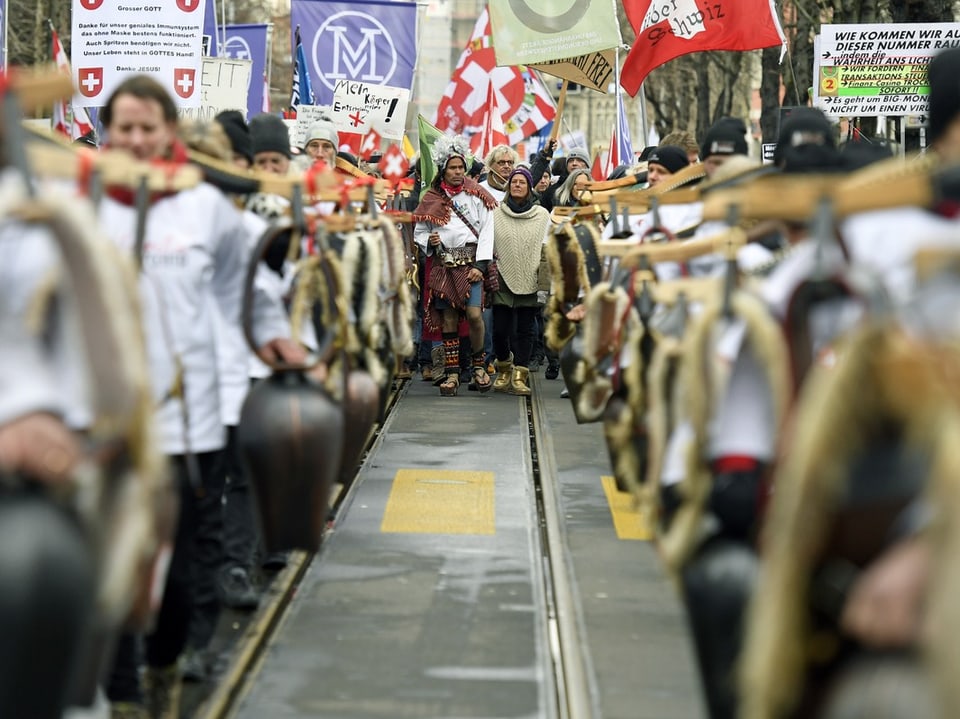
(449, 146)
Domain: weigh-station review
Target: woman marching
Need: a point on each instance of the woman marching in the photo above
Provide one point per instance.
(519, 233)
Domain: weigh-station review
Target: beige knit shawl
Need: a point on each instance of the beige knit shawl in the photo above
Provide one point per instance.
(518, 244)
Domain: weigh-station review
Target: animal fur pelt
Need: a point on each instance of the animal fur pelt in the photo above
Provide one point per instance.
(563, 250)
(362, 269)
(664, 397)
(881, 378)
(704, 384)
(609, 318)
(396, 300)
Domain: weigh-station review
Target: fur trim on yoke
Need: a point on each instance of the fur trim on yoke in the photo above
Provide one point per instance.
(435, 205)
(398, 307)
(598, 343)
(663, 407)
(559, 330)
(704, 384)
(126, 504)
(879, 378)
(624, 430)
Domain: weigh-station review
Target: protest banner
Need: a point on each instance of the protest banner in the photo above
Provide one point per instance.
(112, 39)
(306, 116)
(877, 69)
(594, 70)
(223, 86)
(523, 35)
(359, 107)
(250, 42)
(372, 41)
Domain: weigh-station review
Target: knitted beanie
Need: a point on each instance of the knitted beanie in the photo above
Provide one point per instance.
(727, 136)
(269, 134)
(237, 132)
(323, 129)
(672, 157)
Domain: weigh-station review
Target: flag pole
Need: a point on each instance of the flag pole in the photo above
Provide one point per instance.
(6, 37)
(555, 132)
(270, 30)
(223, 26)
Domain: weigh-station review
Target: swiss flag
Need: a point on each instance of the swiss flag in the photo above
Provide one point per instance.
(90, 4)
(492, 132)
(90, 81)
(666, 31)
(188, 5)
(79, 123)
(184, 81)
(350, 142)
(524, 101)
(370, 144)
(394, 165)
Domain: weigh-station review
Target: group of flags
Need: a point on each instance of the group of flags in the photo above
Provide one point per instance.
(506, 104)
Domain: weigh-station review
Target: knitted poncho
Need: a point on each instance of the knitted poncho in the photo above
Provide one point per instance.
(517, 245)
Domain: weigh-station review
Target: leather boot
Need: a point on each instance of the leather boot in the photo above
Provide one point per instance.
(519, 381)
(504, 374)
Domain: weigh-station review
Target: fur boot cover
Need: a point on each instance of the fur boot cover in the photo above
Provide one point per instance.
(705, 383)
(882, 379)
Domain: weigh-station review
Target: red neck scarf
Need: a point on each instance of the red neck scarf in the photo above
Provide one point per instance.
(451, 189)
(176, 158)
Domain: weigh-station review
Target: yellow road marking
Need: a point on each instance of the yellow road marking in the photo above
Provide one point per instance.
(440, 501)
(626, 518)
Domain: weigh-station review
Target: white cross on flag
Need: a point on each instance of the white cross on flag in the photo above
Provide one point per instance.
(394, 165)
(524, 103)
(109, 42)
(370, 144)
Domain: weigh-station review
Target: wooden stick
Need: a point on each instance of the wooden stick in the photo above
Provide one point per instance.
(630, 252)
(41, 86)
(694, 289)
(118, 168)
(561, 101)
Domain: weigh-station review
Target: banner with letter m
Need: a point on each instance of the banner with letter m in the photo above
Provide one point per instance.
(372, 41)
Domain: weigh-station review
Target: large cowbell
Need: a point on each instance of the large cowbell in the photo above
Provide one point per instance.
(291, 431)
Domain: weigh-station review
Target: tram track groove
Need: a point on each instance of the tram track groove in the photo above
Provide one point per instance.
(256, 640)
(564, 626)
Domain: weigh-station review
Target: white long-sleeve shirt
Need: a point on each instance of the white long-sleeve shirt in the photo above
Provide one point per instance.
(455, 233)
(193, 257)
(43, 364)
(269, 321)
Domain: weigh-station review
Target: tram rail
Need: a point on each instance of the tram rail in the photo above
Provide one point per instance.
(597, 612)
(251, 647)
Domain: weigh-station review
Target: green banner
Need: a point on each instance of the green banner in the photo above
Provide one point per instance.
(526, 32)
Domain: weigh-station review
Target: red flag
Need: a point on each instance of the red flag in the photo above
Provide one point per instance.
(492, 132)
(394, 165)
(370, 144)
(596, 171)
(666, 31)
(80, 123)
(350, 142)
(522, 98)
